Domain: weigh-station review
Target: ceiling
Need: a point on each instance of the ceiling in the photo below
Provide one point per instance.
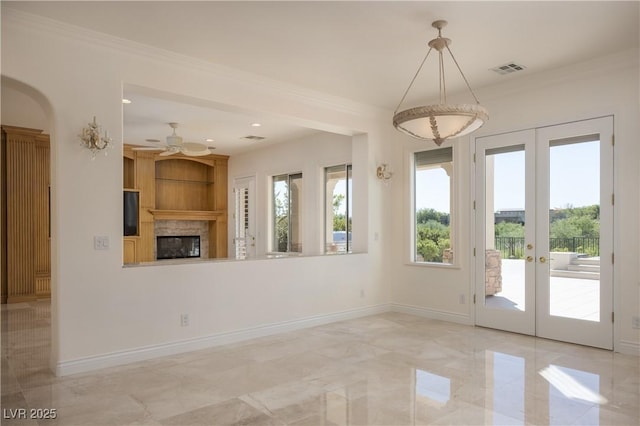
(366, 51)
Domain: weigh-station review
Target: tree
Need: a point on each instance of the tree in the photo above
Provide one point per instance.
(339, 219)
(282, 220)
(432, 238)
(425, 215)
(509, 229)
(576, 222)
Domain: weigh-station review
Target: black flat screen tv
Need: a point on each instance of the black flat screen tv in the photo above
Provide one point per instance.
(131, 202)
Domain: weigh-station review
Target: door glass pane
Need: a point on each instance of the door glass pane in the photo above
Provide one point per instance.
(295, 206)
(505, 228)
(337, 214)
(574, 228)
(281, 213)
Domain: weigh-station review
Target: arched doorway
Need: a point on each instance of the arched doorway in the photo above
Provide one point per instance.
(26, 320)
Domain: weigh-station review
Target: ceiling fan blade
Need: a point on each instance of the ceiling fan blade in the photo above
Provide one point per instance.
(167, 153)
(194, 149)
(149, 148)
(196, 153)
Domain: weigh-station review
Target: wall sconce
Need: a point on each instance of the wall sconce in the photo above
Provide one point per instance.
(92, 140)
(382, 173)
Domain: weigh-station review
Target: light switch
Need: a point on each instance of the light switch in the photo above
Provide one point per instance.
(101, 242)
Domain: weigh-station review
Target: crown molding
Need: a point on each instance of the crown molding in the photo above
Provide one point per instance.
(119, 45)
(591, 68)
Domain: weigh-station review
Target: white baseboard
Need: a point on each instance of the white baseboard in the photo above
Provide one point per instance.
(627, 347)
(432, 313)
(113, 359)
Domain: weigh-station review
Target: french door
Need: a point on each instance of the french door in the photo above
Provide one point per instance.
(544, 232)
(244, 218)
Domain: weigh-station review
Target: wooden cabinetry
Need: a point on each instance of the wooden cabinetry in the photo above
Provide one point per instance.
(129, 249)
(176, 188)
(26, 248)
(184, 185)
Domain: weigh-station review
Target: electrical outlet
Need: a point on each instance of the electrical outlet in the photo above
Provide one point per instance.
(461, 299)
(101, 243)
(635, 322)
(184, 320)
(362, 294)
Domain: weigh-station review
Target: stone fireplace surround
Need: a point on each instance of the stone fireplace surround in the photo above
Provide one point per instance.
(178, 228)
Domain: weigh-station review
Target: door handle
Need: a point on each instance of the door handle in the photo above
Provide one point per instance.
(529, 258)
(529, 246)
(543, 259)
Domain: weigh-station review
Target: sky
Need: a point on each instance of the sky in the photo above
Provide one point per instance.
(574, 177)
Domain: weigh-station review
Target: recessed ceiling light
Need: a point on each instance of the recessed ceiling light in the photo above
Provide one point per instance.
(153, 140)
(256, 124)
(126, 101)
(208, 140)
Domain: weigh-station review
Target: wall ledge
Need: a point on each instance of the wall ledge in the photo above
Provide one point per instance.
(91, 363)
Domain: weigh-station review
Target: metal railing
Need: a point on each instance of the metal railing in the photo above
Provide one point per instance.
(513, 247)
(589, 245)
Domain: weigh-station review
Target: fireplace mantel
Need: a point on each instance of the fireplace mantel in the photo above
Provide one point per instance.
(207, 215)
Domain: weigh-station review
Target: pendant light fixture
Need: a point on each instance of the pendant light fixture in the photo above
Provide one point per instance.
(442, 121)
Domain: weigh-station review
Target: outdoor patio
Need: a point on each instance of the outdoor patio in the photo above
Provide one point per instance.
(570, 297)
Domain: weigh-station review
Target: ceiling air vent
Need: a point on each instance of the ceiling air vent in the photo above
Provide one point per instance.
(508, 68)
(253, 138)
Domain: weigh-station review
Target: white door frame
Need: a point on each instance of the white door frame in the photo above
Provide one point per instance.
(536, 318)
(591, 333)
(244, 240)
(509, 320)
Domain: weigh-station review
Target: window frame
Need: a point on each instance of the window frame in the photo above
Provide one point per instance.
(454, 202)
(348, 169)
(273, 246)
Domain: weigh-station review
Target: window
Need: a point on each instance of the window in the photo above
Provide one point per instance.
(338, 209)
(287, 213)
(433, 189)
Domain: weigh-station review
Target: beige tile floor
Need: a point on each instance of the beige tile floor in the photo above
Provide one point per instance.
(389, 369)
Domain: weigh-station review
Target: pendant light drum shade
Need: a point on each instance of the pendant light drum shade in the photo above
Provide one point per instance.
(442, 121)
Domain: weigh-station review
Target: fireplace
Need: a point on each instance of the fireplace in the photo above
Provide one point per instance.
(178, 247)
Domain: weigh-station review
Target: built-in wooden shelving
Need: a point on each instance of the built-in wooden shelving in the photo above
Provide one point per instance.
(176, 188)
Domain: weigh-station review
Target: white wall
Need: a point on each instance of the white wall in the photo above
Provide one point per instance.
(309, 155)
(24, 107)
(104, 314)
(596, 88)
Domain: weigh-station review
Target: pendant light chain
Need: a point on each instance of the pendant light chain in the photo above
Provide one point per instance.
(443, 86)
(463, 76)
(413, 80)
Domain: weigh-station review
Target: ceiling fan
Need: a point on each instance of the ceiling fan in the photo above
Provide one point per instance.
(175, 145)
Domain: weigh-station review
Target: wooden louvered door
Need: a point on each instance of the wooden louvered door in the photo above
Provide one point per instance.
(26, 250)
